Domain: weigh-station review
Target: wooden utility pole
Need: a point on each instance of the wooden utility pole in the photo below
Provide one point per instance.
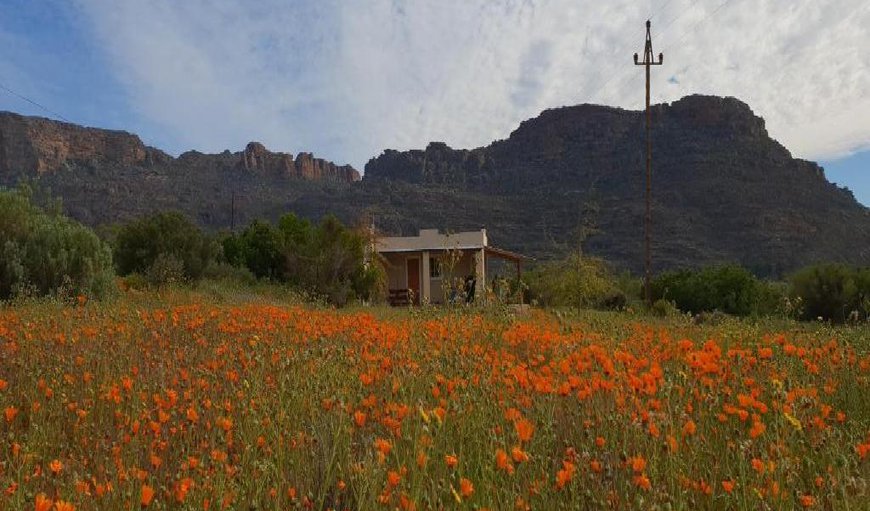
(648, 60)
(233, 213)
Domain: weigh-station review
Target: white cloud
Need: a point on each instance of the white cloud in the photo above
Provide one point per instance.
(347, 79)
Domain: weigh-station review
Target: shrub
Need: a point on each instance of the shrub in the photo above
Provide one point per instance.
(727, 288)
(575, 281)
(48, 254)
(327, 260)
(225, 272)
(259, 248)
(166, 269)
(664, 308)
(164, 245)
(832, 292)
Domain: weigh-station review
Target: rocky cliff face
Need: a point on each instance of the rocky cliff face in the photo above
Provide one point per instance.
(37, 146)
(256, 158)
(32, 145)
(723, 190)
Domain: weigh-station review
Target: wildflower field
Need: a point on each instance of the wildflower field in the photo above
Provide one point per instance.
(200, 404)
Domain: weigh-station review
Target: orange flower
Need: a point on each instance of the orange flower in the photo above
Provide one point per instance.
(758, 465)
(595, 466)
(519, 455)
(565, 474)
(807, 500)
(642, 481)
(451, 460)
(147, 495)
(43, 503)
(383, 446)
(181, 489)
(503, 462)
(689, 428)
(757, 429)
(359, 418)
(55, 466)
(393, 478)
(728, 486)
(465, 487)
(599, 441)
(525, 429)
(637, 463)
(10, 412)
(62, 505)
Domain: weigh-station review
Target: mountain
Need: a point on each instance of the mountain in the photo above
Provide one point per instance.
(723, 189)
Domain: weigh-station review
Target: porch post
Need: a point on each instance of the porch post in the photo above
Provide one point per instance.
(519, 279)
(426, 284)
(480, 276)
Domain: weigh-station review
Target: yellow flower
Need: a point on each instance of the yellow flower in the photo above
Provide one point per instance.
(793, 421)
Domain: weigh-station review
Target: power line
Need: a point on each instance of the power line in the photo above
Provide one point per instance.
(625, 73)
(660, 9)
(708, 16)
(34, 103)
(675, 18)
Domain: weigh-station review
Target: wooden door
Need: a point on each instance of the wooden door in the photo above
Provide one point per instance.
(414, 278)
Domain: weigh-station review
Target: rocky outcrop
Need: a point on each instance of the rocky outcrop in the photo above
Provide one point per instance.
(256, 158)
(37, 145)
(309, 167)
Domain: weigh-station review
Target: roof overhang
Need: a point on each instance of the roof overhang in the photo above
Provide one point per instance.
(506, 254)
(488, 250)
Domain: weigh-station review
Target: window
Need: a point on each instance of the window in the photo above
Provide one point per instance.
(434, 268)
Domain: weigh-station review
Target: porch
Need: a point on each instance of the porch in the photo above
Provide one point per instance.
(440, 268)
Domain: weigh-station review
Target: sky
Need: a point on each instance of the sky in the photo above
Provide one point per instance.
(346, 79)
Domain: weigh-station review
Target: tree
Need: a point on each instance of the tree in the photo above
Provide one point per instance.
(49, 254)
(167, 239)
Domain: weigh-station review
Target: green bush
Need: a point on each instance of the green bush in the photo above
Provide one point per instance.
(576, 281)
(327, 260)
(727, 288)
(664, 308)
(164, 247)
(834, 292)
(48, 254)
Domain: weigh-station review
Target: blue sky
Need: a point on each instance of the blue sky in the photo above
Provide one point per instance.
(349, 79)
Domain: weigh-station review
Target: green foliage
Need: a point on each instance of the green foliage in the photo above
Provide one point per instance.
(165, 247)
(48, 254)
(834, 292)
(326, 260)
(664, 308)
(726, 288)
(575, 281)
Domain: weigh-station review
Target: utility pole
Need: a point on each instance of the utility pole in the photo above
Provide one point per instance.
(648, 60)
(233, 213)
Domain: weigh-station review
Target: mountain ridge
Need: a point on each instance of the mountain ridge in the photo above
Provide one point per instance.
(572, 176)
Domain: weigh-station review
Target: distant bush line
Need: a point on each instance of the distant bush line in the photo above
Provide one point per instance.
(43, 253)
(326, 260)
(830, 292)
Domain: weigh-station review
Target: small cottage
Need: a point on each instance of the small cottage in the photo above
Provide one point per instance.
(441, 268)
